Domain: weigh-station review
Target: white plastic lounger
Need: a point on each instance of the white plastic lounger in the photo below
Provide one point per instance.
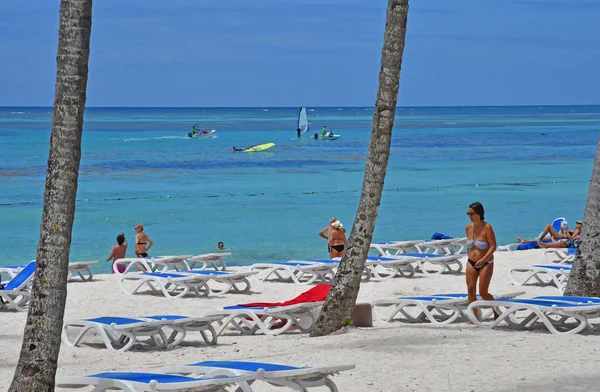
(116, 331)
(17, 292)
(81, 268)
(148, 382)
(396, 247)
(236, 282)
(383, 268)
(10, 271)
(559, 317)
(181, 325)
(544, 275)
(439, 309)
(297, 378)
(560, 255)
(249, 320)
(171, 285)
(295, 271)
(443, 247)
(442, 263)
(166, 263)
(152, 264)
(216, 260)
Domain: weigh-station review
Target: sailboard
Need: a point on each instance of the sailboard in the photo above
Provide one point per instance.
(303, 121)
(259, 147)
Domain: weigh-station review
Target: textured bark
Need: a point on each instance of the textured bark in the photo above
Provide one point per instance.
(584, 279)
(41, 343)
(342, 296)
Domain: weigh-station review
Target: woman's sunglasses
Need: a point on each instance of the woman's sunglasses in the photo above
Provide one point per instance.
(470, 213)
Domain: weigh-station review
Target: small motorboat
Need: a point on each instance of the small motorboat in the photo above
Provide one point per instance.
(202, 134)
(327, 136)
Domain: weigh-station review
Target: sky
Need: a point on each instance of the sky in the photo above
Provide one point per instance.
(213, 53)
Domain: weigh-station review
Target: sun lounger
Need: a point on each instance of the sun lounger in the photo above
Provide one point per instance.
(556, 224)
(275, 318)
(151, 264)
(10, 271)
(297, 378)
(443, 247)
(171, 285)
(396, 247)
(560, 255)
(236, 282)
(544, 275)
(383, 268)
(439, 309)
(559, 317)
(116, 331)
(306, 271)
(181, 325)
(151, 382)
(17, 292)
(81, 268)
(443, 263)
(216, 260)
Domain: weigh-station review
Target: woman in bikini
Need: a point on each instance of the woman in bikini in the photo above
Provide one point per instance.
(141, 241)
(337, 240)
(481, 245)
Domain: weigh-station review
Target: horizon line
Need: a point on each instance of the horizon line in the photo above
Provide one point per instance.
(320, 107)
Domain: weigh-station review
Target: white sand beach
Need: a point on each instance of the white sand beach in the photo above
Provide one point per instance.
(388, 357)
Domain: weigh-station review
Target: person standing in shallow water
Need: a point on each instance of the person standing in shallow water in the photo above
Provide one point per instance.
(481, 245)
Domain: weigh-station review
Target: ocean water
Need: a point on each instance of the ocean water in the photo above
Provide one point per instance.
(527, 165)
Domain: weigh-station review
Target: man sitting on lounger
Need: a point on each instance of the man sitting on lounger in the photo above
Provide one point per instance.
(555, 234)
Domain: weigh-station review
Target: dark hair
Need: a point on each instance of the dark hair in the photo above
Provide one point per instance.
(220, 243)
(120, 239)
(478, 208)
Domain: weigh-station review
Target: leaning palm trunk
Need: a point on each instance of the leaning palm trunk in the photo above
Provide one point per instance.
(342, 297)
(41, 344)
(584, 279)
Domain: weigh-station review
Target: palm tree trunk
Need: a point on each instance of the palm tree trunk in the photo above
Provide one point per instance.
(41, 343)
(342, 296)
(584, 279)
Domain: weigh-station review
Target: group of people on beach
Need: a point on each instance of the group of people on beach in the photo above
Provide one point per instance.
(481, 245)
(143, 243)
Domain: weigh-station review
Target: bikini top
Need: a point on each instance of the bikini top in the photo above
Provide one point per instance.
(474, 242)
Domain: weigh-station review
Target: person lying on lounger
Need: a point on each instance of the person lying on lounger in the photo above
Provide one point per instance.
(568, 243)
(555, 234)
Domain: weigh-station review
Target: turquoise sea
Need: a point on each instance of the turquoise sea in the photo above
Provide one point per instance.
(527, 165)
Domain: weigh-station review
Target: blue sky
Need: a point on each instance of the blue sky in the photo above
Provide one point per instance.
(310, 52)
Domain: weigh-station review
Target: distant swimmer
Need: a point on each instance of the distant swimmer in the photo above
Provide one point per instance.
(237, 149)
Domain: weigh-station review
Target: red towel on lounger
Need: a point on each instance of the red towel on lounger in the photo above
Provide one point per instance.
(315, 294)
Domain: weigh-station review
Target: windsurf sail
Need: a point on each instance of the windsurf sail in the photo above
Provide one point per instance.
(259, 147)
(303, 121)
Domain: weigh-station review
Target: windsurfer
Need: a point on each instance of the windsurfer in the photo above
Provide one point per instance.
(299, 131)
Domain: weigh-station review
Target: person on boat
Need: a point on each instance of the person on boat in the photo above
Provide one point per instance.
(481, 245)
(329, 133)
(337, 240)
(324, 130)
(327, 230)
(141, 241)
(299, 132)
(563, 235)
(118, 252)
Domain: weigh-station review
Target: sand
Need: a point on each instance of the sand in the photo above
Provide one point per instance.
(388, 357)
